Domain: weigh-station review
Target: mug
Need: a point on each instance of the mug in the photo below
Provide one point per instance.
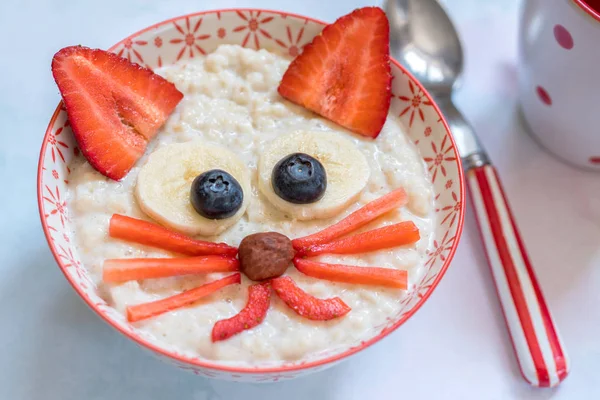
(559, 77)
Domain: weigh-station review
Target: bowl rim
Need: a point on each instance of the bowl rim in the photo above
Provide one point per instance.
(196, 361)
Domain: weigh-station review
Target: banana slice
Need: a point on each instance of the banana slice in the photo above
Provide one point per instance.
(164, 184)
(346, 168)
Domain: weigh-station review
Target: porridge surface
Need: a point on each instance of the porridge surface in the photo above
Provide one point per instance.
(231, 99)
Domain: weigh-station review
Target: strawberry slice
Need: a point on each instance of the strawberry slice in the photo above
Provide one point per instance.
(350, 274)
(149, 234)
(114, 106)
(306, 305)
(399, 234)
(344, 73)
(259, 298)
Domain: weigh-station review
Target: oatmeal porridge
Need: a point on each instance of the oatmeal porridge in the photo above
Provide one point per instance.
(231, 102)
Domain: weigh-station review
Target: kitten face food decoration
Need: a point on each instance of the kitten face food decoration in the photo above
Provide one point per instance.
(204, 188)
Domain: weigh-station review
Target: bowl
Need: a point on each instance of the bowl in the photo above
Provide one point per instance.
(196, 34)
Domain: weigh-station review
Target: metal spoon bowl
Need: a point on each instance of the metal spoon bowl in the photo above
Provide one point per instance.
(424, 40)
(434, 56)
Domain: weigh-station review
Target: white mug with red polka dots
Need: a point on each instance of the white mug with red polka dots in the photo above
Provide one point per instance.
(559, 77)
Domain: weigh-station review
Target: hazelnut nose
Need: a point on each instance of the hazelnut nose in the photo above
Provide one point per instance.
(265, 255)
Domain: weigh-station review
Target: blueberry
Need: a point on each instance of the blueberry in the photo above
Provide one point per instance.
(216, 194)
(299, 179)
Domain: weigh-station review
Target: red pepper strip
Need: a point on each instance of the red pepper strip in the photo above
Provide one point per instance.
(149, 234)
(259, 297)
(306, 305)
(129, 269)
(357, 219)
(147, 310)
(382, 238)
(349, 274)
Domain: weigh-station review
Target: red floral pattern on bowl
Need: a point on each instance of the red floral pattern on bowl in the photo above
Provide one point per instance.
(193, 35)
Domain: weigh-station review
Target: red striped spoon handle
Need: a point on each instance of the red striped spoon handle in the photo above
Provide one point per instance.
(542, 358)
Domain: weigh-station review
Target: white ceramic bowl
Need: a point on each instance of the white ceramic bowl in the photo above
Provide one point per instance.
(195, 34)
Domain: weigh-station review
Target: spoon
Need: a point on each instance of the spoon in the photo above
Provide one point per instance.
(426, 43)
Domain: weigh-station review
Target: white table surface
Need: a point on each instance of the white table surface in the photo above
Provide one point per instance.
(456, 347)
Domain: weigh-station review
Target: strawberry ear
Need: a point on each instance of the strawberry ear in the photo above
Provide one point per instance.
(336, 78)
(114, 106)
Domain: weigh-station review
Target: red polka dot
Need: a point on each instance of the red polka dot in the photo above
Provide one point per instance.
(595, 160)
(543, 95)
(563, 37)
